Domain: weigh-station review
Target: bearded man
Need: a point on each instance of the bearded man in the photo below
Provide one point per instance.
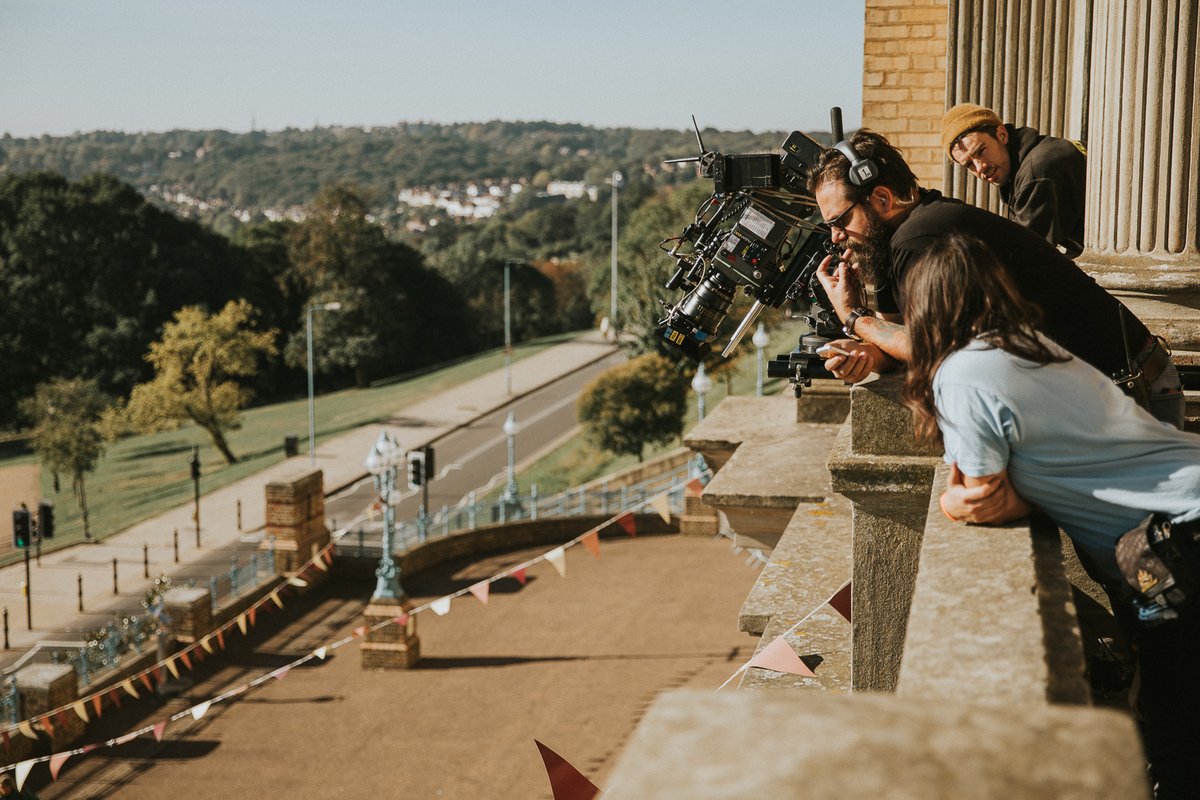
(875, 210)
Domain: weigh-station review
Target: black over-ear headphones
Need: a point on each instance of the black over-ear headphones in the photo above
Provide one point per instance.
(863, 171)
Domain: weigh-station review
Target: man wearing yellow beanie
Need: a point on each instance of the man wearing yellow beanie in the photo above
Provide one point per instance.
(1041, 178)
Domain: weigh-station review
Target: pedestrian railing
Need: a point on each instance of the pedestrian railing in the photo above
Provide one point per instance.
(242, 577)
(10, 702)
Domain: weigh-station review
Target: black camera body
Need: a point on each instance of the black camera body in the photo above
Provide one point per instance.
(760, 233)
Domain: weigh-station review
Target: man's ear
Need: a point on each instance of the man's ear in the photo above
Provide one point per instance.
(883, 199)
(1002, 134)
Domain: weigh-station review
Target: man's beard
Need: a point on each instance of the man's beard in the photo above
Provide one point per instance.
(872, 254)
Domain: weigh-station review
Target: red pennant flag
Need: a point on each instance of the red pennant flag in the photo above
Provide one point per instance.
(47, 725)
(628, 523)
(56, 762)
(328, 555)
(361, 630)
(253, 614)
(98, 704)
(62, 719)
(158, 675)
(145, 679)
(841, 601)
(480, 590)
(116, 698)
(780, 657)
(400, 620)
(159, 727)
(519, 574)
(591, 540)
(221, 638)
(199, 653)
(694, 487)
(566, 782)
(186, 659)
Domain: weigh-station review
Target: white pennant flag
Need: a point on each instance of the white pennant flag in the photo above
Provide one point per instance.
(23, 772)
(441, 606)
(321, 652)
(662, 504)
(200, 710)
(558, 557)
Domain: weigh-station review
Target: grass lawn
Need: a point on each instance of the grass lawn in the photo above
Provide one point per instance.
(141, 476)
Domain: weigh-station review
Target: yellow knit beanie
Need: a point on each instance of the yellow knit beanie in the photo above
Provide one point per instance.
(965, 117)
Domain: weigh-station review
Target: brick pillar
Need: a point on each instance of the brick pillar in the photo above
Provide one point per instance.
(295, 519)
(190, 612)
(392, 646)
(44, 687)
(698, 519)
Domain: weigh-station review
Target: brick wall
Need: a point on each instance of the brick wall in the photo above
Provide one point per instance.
(904, 79)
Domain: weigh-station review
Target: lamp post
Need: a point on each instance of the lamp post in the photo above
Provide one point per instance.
(761, 340)
(615, 180)
(381, 463)
(508, 262)
(700, 385)
(511, 428)
(312, 425)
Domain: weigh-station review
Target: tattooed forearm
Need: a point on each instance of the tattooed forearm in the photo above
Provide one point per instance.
(890, 337)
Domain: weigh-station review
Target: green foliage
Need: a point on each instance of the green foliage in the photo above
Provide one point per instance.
(195, 364)
(639, 403)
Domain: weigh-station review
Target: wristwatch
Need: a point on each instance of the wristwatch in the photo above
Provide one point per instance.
(855, 315)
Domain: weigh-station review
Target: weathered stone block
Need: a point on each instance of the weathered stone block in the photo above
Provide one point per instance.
(45, 687)
(190, 612)
(392, 646)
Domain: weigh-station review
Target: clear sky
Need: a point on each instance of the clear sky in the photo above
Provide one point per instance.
(155, 65)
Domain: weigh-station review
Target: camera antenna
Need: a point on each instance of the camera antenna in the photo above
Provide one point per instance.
(699, 142)
(835, 123)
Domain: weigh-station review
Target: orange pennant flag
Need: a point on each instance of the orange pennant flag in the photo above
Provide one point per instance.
(841, 601)
(186, 659)
(98, 704)
(566, 782)
(628, 523)
(159, 727)
(221, 638)
(145, 679)
(47, 725)
(116, 697)
(694, 487)
(253, 614)
(198, 653)
(519, 574)
(56, 762)
(780, 657)
(591, 540)
(157, 673)
(481, 590)
(328, 554)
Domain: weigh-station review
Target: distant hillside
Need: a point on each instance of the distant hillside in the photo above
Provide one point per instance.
(214, 170)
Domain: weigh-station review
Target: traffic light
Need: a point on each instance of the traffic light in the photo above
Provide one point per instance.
(46, 520)
(428, 452)
(416, 468)
(22, 525)
(195, 462)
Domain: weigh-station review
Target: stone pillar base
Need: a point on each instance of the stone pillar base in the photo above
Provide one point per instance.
(392, 646)
(698, 519)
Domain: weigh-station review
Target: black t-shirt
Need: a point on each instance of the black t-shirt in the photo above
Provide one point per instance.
(1076, 312)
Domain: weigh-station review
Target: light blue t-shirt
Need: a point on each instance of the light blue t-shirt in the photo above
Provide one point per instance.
(1073, 443)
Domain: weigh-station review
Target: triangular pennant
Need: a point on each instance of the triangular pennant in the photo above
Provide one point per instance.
(200, 710)
(662, 504)
(98, 704)
(591, 540)
(441, 606)
(558, 559)
(481, 590)
(171, 668)
(159, 727)
(361, 630)
(253, 614)
(241, 623)
(115, 696)
(780, 657)
(27, 730)
(186, 659)
(198, 653)
(145, 679)
(81, 710)
(321, 652)
(61, 719)
(841, 601)
(519, 574)
(281, 673)
(56, 762)
(47, 725)
(275, 598)
(206, 643)
(327, 554)
(127, 685)
(694, 487)
(401, 620)
(23, 771)
(157, 674)
(628, 523)
(7, 742)
(221, 638)
(566, 782)
(299, 583)
(320, 564)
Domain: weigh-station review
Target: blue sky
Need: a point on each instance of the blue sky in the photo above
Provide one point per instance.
(156, 65)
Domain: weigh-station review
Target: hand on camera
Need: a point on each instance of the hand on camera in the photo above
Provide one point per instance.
(840, 282)
(858, 362)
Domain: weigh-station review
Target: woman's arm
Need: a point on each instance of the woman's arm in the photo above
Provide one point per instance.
(983, 500)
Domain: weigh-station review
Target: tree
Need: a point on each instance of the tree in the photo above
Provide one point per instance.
(195, 364)
(635, 404)
(66, 435)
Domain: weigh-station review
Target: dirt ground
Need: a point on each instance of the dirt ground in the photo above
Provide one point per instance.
(19, 484)
(573, 662)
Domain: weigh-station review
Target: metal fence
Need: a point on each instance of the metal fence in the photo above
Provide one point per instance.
(364, 538)
(241, 578)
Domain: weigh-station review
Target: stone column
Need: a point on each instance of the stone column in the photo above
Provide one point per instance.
(886, 475)
(1143, 169)
(190, 613)
(392, 646)
(44, 687)
(295, 519)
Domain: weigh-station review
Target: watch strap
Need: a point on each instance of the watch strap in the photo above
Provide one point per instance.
(855, 315)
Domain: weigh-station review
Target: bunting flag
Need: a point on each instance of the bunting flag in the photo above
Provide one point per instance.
(401, 620)
(98, 704)
(198, 653)
(56, 762)
(328, 555)
(200, 710)
(321, 652)
(47, 725)
(275, 598)
(441, 606)
(81, 710)
(158, 730)
(145, 679)
(480, 590)
(566, 782)
(127, 685)
(780, 657)
(206, 643)
(320, 564)
(186, 659)
(299, 583)
(116, 697)
(519, 574)
(241, 623)
(23, 772)
(171, 668)
(157, 673)
(558, 559)
(662, 504)
(281, 673)
(694, 487)
(361, 630)
(591, 540)
(252, 613)
(26, 730)
(221, 638)
(841, 601)
(628, 523)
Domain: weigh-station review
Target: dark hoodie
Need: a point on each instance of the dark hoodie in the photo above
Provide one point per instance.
(1046, 190)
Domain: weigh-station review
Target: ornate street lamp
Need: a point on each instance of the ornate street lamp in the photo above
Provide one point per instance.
(312, 427)
(385, 455)
(701, 384)
(511, 429)
(761, 340)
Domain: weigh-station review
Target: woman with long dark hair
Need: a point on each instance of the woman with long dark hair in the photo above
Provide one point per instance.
(1025, 425)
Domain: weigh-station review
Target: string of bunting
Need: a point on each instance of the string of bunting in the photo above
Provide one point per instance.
(590, 539)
